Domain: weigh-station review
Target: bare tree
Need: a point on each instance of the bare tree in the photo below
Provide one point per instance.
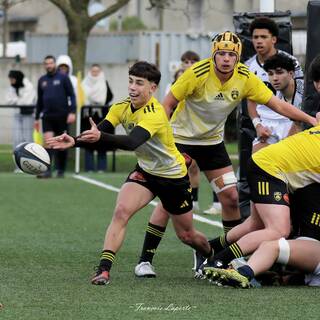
(5, 5)
(192, 9)
(80, 24)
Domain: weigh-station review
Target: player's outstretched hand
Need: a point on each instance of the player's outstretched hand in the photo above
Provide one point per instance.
(263, 133)
(92, 135)
(64, 141)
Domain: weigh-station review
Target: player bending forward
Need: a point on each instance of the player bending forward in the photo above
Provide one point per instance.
(161, 170)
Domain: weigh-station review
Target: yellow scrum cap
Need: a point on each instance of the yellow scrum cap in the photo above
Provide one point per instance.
(227, 41)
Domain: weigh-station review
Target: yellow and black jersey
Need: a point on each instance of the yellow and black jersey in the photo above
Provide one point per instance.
(159, 155)
(204, 103)
(295, 160)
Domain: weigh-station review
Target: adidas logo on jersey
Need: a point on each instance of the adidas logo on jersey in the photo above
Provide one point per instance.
(219, 97)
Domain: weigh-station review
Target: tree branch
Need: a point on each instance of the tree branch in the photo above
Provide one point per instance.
(64, 6)
(105, 13)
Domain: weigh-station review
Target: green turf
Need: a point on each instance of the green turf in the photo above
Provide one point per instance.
(51, 233)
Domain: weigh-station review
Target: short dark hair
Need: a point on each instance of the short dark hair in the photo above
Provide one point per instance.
(314, 69)
(97, 65)
(146, 70)
(279, 61)
(50, 57)
(264, 23)
(190, 55)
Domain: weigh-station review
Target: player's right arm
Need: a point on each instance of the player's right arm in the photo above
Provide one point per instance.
(262, 132)
(169, 103)
(288, 110)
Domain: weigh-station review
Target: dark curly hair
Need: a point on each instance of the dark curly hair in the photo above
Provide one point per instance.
(279, 61)
(264, 23)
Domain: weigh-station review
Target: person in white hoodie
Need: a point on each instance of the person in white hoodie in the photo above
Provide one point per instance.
(64, 65)
(97, 93)
(21, 93)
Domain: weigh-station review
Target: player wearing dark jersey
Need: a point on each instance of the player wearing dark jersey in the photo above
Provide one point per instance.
(270, 125)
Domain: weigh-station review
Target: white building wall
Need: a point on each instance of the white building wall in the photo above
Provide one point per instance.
(217, 13)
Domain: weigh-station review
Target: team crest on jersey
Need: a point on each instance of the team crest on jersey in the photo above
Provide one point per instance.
(235, 94)
(277, 195)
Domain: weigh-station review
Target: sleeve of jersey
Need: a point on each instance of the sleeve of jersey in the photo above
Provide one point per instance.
(185, 85)
(113, 115)
(298, 72)
(257, 90)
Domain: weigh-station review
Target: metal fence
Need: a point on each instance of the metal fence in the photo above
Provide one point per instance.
(18, 125)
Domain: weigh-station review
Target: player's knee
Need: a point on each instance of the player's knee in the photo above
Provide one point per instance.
(270, 246)
(229, 198)
(284, 251)
(286, 232)
(224, 182)
(185, 236)
(283, 230)
(121, 213)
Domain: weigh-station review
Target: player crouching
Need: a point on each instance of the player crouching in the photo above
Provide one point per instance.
(161, 170)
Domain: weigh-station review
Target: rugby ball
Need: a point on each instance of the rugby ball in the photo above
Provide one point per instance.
(31, 158)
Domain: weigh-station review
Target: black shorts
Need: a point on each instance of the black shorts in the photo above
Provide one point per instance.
(265, 188)
(209, 157)
(305, 211)
(58, 125)
(175, 194)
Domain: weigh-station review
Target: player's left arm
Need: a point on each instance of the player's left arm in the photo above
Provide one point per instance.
(136, 138)
(288, 110)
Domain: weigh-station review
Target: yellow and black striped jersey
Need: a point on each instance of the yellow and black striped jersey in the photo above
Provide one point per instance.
(159, 155)
(295, 160)
(205, 103)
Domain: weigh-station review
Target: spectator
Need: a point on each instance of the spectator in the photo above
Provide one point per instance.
(187, 59)
(56, 106)
(98, 93)
(64, 65)
(21, 92)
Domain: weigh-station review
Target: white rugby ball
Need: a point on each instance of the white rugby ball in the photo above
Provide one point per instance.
(31, 158)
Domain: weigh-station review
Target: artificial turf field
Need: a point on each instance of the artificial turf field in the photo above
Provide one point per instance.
(51, 233)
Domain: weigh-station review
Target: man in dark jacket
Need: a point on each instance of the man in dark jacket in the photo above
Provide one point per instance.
(56, 106)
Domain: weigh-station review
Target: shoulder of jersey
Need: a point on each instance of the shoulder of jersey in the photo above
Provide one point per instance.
(296, 61)
(300, 86)
(285, 53)
(251, 60)
(122, 102)
(243, 70)
(201, 68)
(151, 108)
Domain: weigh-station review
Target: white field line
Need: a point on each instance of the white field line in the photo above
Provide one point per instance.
(153, 203)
